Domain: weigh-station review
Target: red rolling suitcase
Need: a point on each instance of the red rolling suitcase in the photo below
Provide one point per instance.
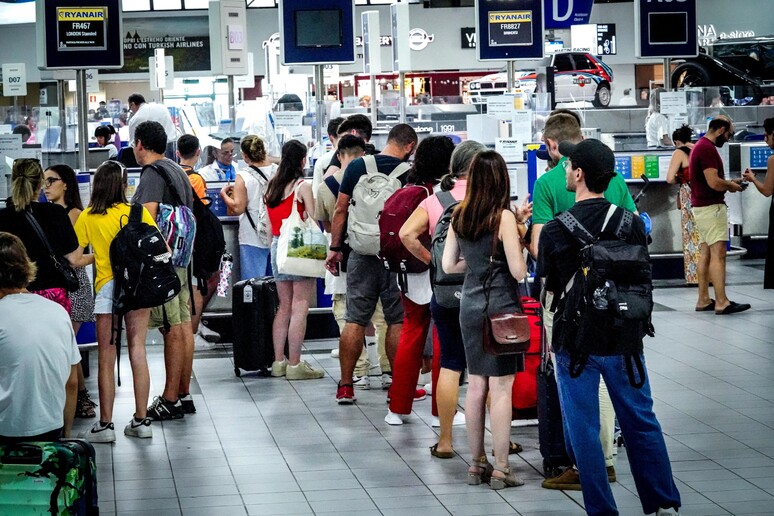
(525, 383)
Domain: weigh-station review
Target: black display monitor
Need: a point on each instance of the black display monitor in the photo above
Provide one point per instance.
(319, 28)
(668, 28)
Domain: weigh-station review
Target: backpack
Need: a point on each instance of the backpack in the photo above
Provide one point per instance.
(447, 288)
(209, 244)
(368, 197)
(262, 226)
(611, 292)
(143, 273)
(177, 223)
(396, 212)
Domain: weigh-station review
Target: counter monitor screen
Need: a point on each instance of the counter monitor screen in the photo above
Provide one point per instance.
(668, 28)
(319, 28)
(759, 157)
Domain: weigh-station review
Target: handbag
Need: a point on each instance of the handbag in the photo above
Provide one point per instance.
(302, 246)
(503, 333)
(61, 265)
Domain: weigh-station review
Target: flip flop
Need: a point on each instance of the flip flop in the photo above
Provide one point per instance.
(440, 454)
(733, 308)
(708, 308)
(513, 448)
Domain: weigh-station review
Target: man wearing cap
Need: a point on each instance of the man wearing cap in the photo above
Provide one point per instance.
(550, 197)
(589, 170)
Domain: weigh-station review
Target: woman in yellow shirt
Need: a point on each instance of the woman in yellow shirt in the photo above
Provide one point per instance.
(97, 226)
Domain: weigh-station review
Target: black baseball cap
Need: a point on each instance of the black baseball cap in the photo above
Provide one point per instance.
(593, 156)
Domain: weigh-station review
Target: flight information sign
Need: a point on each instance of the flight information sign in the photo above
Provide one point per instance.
(509, 29)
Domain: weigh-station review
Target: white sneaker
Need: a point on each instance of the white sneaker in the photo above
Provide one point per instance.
(361, 382)
(428, 388)
(207, 334)
(386, 381)
(279, 369)
(393, 419)
(667, 512)
(303, 371)
(335, 353)
(424, 378)
(140, 429)
(99, 433)
(459, 419)
(201, 344)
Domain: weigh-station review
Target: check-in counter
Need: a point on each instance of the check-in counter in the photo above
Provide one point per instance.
(755, 207)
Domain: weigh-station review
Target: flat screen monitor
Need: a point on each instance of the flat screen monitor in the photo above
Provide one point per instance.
(319, 28)
(668, 28)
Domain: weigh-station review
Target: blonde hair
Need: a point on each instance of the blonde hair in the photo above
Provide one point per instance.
(26, 182)
(252, 147)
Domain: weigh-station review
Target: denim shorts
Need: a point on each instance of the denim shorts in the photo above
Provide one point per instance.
(103, 301)
(368, 282)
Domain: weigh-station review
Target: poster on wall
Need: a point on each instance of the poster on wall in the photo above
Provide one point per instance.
(187, 40)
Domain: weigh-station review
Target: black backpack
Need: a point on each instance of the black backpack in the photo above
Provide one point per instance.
(209, 244)
(143, 274)
(610, 295)
(447, 288)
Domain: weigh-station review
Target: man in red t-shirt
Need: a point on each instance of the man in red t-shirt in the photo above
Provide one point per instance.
(708, 190)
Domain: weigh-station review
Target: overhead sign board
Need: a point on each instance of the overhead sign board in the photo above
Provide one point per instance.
(563, 14)
(665, 29)
(509, 29)
(314, 32)
(86, 34)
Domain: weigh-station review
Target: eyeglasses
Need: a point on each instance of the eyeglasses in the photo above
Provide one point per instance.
(568, 165)
(226, 154)
(49, 181)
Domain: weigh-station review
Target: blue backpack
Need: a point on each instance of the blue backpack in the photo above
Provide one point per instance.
(177, 223)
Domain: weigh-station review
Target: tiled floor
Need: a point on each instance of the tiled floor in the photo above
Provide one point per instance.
(268, 446)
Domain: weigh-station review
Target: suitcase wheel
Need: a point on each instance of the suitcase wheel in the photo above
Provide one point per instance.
(237, 372)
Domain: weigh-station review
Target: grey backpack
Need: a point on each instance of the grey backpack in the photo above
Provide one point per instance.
(447, 288)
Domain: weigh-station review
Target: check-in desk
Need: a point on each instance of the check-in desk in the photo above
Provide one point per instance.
(754, 206)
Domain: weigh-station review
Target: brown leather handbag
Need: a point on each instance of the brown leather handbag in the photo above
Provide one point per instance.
(504, 333)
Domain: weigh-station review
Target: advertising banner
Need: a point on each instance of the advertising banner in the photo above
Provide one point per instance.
(186, 40)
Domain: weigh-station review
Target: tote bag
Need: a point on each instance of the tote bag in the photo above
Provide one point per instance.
(302, 246)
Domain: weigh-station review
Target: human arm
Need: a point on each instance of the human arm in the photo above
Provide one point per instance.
(305, 193)
(78, 259)
(415, 226)
(523, 212)
(534, 244)
(71, 399)
(452, 262)
(675, 165)
(766, 187)
(74, 214)
(719, 184)
(153, 208)
(340, 214)
(238, 203)
(508, 233)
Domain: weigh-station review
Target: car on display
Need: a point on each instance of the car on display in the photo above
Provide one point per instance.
(578, 76)
(746, 66)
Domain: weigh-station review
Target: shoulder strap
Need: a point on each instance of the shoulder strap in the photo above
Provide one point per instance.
(370, 164)
(38, 231)
(135, 213)
(260, 172)
(163, 173)
(333, 185)
(399, 170)
(625, 224)
(575, 228)
(446, 199)
(610, 210)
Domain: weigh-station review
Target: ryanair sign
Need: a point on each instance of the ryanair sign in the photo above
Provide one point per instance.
(510, 17)
(81, 14)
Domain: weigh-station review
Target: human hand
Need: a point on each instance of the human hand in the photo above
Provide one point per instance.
(524, 211)
(333, 261)
(748, 175)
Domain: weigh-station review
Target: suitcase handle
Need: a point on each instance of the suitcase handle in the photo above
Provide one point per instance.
(21, 453)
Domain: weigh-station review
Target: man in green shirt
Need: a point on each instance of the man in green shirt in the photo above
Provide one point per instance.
(551, 197)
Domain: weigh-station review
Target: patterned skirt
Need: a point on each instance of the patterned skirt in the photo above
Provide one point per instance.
(691, 247)
(82, 299)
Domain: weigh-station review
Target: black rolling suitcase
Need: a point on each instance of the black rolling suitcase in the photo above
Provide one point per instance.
(550, 432)
(254, 304)
(48, 478)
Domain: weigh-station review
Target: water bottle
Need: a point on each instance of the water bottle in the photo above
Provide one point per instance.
(600, 296)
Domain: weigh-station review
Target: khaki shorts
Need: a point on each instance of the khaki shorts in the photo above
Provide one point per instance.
(178, 308)
(712, 223)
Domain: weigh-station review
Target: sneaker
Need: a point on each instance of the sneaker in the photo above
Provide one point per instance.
(667, 512)
(428, 387)
(99, 433)
(302, 371)
(362, 382)
(335, 353)
(424, 378)
(186, 403)
(419, 395)
(163, 410)
(393, 419)
(279, 368)
(141, 429)
(386, 381)
(207, 334)
(345, 394)
(567, 481)
(459, 419)
(201, 344)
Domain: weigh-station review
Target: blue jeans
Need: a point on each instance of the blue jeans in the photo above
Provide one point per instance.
(645, 445)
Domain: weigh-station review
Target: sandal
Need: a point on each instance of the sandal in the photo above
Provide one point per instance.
(508, 480)
(483, 471)
(513, 448)
(85, 406)
(440, 454)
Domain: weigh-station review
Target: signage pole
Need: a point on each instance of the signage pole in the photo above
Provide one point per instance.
(60, 100)
(83, 127)
(319, 90)
(402, 95)
(373, 100)
(667, 74)
(231, 103)
(510, 71)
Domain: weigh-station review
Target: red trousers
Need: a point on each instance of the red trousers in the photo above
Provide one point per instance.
(408, 360)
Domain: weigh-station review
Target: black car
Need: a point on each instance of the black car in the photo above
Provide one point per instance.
(746, 64)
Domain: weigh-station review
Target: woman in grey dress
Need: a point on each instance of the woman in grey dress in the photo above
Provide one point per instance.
(484, 217)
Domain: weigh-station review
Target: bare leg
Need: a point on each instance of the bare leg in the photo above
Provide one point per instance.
(302, 295)
(717, 274)
(279, 331)
(136, 332)
(350, 347)
(475, 416)
(702, 276)
(500, 412)
(201, 302)
(106, 358)
(447, 395)
(392, 341)
(175, 352)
